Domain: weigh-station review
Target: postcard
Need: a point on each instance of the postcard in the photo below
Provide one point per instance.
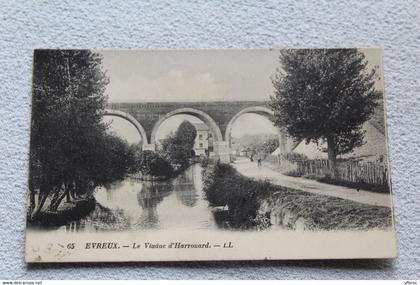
(194, 155)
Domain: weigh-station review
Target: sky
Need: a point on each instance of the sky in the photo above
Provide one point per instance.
(153, 76)
(126, 130)
(197, 75)
(194, 75)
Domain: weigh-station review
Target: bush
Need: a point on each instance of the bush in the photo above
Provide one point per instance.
(204, 161)
(224, 186)
(155, 165)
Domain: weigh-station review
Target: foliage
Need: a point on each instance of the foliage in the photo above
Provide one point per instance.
(260, 144)
(266, 147)
(224, 186)
(204, 161)
(324, 95)
(252, 202)
(134, 159)
(70, 152)
(322, 212)
(179, 148)
(113, 158)
(151, 163)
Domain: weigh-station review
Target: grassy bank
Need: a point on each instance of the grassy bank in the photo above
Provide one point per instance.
(253, 203)
(224, 186)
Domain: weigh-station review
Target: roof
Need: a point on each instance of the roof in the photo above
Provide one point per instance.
(201, 127)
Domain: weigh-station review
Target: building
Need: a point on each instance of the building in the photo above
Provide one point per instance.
(203, 141)
(244, 151)
(373, 149)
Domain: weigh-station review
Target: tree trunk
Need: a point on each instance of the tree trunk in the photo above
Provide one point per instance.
(54, 199)
(68, 198)
(58, 202)
(42, 197)
(332, 156)
(73, 194)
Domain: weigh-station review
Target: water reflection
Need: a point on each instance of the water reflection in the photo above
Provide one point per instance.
(148, 199)
(186, 192)
(137, 205)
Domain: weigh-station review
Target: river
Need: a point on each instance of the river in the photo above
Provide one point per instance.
(132, 204)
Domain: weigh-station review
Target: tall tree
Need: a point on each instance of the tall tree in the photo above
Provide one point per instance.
(68, 100)
(324, 95)
(179, 147)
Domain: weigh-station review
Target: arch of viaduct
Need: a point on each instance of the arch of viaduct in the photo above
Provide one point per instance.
(218, 116)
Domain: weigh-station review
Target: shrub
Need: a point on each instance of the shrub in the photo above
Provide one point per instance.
(154, 164)
(204, 161)
(224, 186)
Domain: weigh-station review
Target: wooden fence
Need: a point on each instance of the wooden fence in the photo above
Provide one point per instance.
(347, 171)
(280, 164)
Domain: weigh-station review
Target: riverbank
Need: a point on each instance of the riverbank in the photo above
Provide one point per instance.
(151, 178)
(249, 169)
(67, 212)
(175, 172)
(261, 204)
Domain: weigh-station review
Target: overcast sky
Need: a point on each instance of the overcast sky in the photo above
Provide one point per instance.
(191, 75)
(195, 75)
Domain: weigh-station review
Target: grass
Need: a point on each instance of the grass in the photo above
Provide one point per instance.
(251, 203)
(321, 212)
(224, 186)
(358, 185)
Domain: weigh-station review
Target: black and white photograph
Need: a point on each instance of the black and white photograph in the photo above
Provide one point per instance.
(183, 155)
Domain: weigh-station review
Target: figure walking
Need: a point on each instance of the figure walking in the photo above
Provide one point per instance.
(259, 163)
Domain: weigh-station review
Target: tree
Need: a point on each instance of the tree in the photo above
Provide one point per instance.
(69, 149)
(323, 96)
(263, 148)
(179, 148)
(134, 159)
(270, 145)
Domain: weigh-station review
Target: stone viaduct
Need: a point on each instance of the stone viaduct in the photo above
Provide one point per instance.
(218, 116)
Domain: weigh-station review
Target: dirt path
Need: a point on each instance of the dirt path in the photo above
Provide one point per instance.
(250, 169)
